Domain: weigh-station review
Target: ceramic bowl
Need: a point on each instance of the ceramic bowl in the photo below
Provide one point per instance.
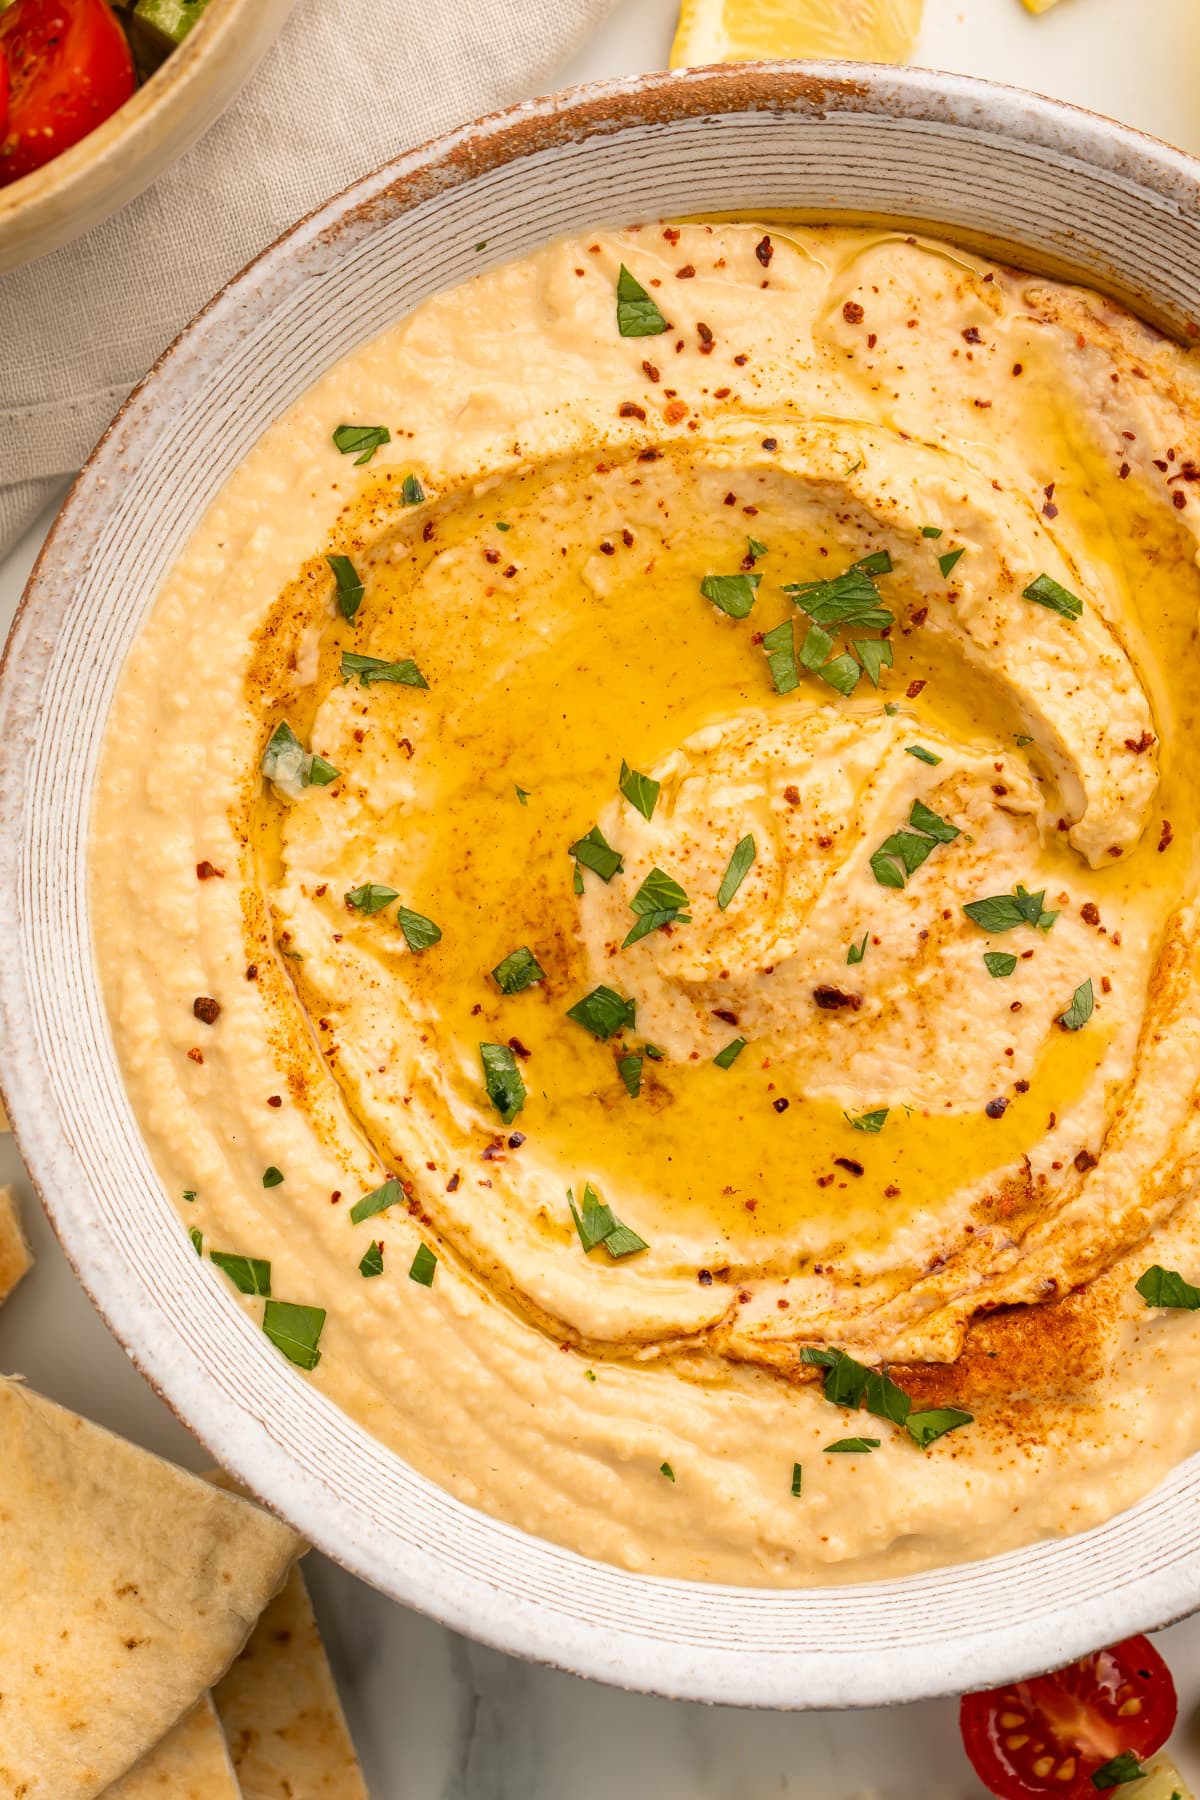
(1051, 188)
(163, 118)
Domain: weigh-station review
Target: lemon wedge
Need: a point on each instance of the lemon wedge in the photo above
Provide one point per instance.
(713, 31)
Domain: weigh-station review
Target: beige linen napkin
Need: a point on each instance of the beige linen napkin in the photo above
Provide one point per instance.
(349, 84)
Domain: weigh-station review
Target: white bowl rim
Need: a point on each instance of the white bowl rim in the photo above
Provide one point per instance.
(39, 1112)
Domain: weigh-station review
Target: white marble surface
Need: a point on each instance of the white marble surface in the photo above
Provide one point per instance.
(435, 1717)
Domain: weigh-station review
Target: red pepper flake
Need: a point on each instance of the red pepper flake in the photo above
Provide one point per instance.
(274, 1100)
(673, 412)
(627, 537)
(671, 234)
(608, 549)
(996, 1109)
(686, 273)
(207, 1010)
(722, 393)
(791, 794)
(1084, 1160)
(781, 1105)
(1022, 1087)
(831, 999)
(206, 870)
(872, 339)
(1105, 985)
(973, 335)
(518, 1048)
(1140, 745)
(770, 443)
(764, 250)
(1089, 912)
(1018, 368)
(650, 455)
(196, 1056)
(914, 688)
(704, 333)
(491, 555)
(1165, 837)
(335, 1196)
(849, 1163)
(719, 1012)
(427, 530)
(1050, 511)
(1179, 499)
(452, 1184)
(1123, 472)
(852, 312)
(510, 571)
(629, 409)
(650, 371)
(251, 971)
(704, 1277)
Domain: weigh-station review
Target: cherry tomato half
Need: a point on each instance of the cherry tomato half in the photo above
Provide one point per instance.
(68, 68)
(3, 98)
(1051, 1735)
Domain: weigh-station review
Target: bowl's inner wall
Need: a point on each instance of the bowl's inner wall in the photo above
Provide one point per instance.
(1051, 190)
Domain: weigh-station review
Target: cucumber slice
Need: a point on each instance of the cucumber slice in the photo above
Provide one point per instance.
(160, 26)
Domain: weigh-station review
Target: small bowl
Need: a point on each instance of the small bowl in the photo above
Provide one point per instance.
(1049, 187)
(166, 115)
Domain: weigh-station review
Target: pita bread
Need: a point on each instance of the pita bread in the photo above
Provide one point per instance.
(128, 1588)
(16, 1258)
(191, 1763)
(280, 1709)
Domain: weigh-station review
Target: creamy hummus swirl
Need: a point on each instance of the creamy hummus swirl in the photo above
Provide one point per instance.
(894, 926)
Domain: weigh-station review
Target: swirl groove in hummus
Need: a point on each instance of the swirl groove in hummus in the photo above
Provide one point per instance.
(852, 1107)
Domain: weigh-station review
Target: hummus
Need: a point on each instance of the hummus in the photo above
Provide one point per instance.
(683, 844)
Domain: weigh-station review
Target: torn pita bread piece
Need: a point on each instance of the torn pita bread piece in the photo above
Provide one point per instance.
(129, 1587)
(191, 1763)
(283, 1720)
(16, 1258)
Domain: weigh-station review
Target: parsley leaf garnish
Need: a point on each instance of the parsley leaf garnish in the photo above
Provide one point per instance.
(726, 1058)
(597, 1224)
(595, 853)
(999, 963)
(755, 548)
(1045, 591)
(733, 594)
(797, 1479)
(424, 1266)
(667, 1470)
(856, 952)
(947, 562)
(372, 1261)
(922, 754)
(1080, 1010)
(361, 441)
(197, 1237)
(849, 1383)
(296, 1330)
(927, 1427)
(377, 1201)
(519, 969)
(739, 867)
(848, 599)
(637, 315)
(931, 531)
(272, 1177)
(1004, 912)
(902, 854)
(629, 1068)
(1118, 1771)
(375, 668)
(639, 790)
(658, 902)
(290, 766)
(1166, 1287)
(875, 655)
(853, 1445)
(411, 491)
(349, 585)
(419, 932)
(502, 1078)
(248, 1274)
(779, 645)
(371, 897)
(523, 796)
(869, 1121)
(603, 1012)
(841, 673)
(816, 647)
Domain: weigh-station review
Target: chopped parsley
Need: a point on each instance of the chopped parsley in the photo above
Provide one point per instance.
(850, 1384)
(739, 867)
(658, 902)
(931, 531)
(349, 585)
(419, 932)
(519, 969)
(502, 1078)
(755, 548)
(856, 952)
(732, 594)
(1004, 912)
(372, 1262)
(869, 1121)
(780, 646)
(597, 1224)
(667, 1470)
(1166, 1287)
(947, 562)
(840, 673)
(902, 854)
(922, 754)
(726, 1058)
(523, 796)
(424, 1266)
(361, 441)
(377, 1201)
(639, 790)
(197, 1237)
(189, 1194)
(595, 853)
(603, 1012)
(248, 1274)
(411, 491)
(629, 1068)
(1081, 1008)
(1045, 591)
(1119, 1770)
(375, 668)
(296, 1330)
(851, 598)
(999, 963)
(875, 655)
(503, 525)
(290, 766)
(272, 1177)
(797, 1479)
(853, 1445)
(637, 315)
(816, 648)
(371, 897)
